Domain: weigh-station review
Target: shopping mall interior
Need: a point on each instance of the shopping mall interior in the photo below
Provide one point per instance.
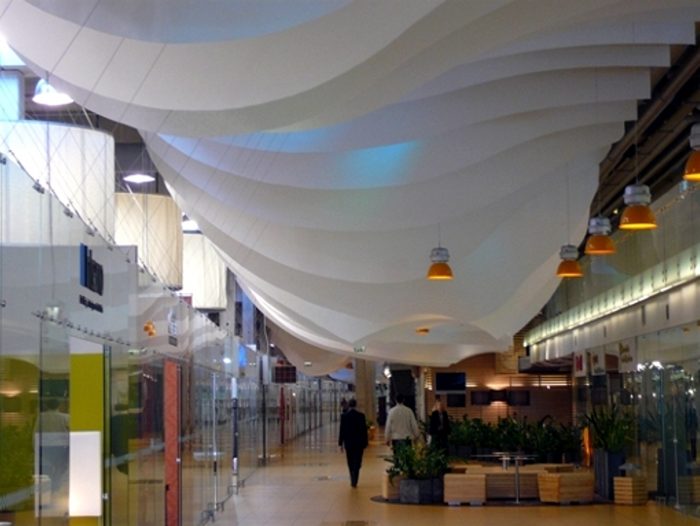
(221, 221)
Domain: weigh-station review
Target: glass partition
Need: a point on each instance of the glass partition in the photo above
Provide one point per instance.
(678, 213)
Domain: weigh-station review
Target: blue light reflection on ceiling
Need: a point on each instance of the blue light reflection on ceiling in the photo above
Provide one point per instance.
(380, 165)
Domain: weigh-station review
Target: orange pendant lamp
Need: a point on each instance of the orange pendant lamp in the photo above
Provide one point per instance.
(692, 167)
(439, 269)
(599, 242)
(569, 266)
(637, 214)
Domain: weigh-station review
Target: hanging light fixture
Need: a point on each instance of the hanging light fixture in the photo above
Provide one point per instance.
(637, 214)
(46, 95)
(139, 178)
(569, 266)
(599, 242)
(439, 269)
(692, 165)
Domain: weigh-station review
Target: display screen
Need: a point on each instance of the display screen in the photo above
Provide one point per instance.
(456, 382)
(498, 396)
(456, 400)
(480, 398)
(518, 397)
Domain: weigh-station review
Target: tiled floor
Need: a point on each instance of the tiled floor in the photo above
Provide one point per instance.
(308, 485)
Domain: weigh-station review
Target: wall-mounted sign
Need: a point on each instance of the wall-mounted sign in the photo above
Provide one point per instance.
(172, 326)
(580, 364)
(598, 361)
(627, 350)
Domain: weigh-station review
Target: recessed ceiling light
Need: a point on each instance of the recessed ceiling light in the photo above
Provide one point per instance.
(422, 331)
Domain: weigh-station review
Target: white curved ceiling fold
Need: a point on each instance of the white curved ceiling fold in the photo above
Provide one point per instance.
(323, 148)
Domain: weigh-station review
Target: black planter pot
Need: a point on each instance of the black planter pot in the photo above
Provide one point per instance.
(606, 466)
(413, 491)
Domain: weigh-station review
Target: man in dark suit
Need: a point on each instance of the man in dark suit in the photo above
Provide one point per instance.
(353, 437)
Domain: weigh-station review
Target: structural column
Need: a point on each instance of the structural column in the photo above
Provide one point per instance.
(365, 392)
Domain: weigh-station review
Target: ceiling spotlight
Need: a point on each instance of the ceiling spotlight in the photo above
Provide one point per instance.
(422, 331)
(599, 243)
(637, 214)
(569, 266)
(139, 178)
(46, 95)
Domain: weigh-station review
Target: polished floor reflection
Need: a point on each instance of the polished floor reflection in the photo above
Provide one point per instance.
(308, 485)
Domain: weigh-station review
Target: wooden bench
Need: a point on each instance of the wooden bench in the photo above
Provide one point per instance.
(390, 488)
(464, 487)
(565, 488)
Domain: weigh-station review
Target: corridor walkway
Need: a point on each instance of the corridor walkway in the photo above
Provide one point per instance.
(308, 485)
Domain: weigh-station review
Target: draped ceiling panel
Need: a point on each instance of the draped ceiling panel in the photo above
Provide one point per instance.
(324, 145)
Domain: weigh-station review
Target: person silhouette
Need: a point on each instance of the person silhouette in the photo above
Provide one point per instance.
(353, 438)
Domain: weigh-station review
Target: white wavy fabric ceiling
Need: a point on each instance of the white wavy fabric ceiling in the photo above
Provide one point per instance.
(320, 144)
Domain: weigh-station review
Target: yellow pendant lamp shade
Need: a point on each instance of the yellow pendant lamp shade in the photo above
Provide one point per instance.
(569, 266)
(692, 167)
(599, 242)
(599, 245)
(569, 269)
(439, 271)
(637, 215)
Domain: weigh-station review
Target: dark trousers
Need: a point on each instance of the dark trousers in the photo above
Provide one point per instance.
(398, 443)
(354, 456)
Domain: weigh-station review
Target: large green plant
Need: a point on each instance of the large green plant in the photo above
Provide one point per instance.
(611, 428)
(417, 462)
(16, 458)
(512, 434)
(462, 432)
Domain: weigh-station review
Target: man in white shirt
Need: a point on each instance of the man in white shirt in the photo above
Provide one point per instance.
(401, 425)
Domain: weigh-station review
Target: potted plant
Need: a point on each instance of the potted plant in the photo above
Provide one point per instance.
(545, 441)
(461, 439)
(485, 437)
(512, 434)
(612, 430)
(422, 469)
(570, 442)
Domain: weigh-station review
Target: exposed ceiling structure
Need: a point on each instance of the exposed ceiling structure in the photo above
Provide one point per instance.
(326, 146)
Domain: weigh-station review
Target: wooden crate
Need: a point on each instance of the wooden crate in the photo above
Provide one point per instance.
(630, 490)
(501, 485)
(462, 487)
(563, 488)
(689, 489)
(390, 488)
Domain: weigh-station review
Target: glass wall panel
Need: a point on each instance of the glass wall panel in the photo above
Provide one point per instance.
(677, 212)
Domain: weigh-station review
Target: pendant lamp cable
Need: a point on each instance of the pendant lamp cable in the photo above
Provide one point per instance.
(568, 211)
(636, 152)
